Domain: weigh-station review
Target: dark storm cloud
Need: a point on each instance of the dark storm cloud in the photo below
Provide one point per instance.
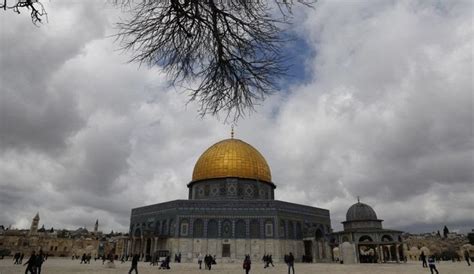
(33, 114)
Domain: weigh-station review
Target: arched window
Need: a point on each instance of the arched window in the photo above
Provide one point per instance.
(157, 228)
(299, 231)
(164, 227)
(318, 235)
(198, 228)
(254, 229)
(240, 229)
(291, 230)
(282, 229)
(387, 238)
(172, 227)
(184, 228)
(365, 238)
(268, 229)
(137, 233)
(212, 229)
(226, 229)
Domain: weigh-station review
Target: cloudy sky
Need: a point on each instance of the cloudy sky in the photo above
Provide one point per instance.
(381, 107)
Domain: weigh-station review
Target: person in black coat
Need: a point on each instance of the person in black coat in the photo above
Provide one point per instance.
(39, 262)
(134, 266)
(291, 263)
(247, 264)
(31, 264)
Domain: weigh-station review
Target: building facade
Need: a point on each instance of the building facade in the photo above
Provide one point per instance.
(61, 242)
(364, 240)
(231, 211)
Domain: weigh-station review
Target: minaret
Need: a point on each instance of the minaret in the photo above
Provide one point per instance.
(96, 226)
(34, 225)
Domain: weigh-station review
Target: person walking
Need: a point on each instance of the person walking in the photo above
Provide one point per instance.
(431, 263)
(31, 264)
(291, 263)
(208, 261)
(134, 266)
(467, 257)
(247, 264)
(270, 260)
(39, 262)
(423, 259)
(200, 260)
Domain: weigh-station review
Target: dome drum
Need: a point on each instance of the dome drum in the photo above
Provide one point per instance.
(231, 188)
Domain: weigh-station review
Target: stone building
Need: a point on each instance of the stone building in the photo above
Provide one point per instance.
(231, 211)
(61, 242)
(363, 239)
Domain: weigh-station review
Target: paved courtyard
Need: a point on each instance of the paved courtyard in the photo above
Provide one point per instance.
(65, 266)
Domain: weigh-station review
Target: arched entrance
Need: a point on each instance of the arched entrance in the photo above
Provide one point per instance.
(367, 250)
(148, 250)
(320, 252)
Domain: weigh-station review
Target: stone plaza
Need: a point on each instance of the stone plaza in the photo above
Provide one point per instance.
(66, 266)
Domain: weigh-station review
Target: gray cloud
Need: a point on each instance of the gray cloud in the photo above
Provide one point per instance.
(386, 115)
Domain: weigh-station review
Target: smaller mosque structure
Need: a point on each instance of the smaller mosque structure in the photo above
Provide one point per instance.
(363, 239)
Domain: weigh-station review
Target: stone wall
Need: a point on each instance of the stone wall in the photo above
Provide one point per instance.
(190, 248)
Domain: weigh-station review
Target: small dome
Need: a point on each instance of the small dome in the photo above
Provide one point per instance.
(360, 212)
(232, 158)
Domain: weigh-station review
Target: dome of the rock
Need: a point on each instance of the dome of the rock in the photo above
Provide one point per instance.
(232, 158)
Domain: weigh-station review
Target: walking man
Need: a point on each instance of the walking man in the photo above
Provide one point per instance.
(423, 259)
(31, 264)
(39, 262)
(200, 260)
(291, 263)
(466, 257)
(431, 263)
(247, 264)
(135, 259)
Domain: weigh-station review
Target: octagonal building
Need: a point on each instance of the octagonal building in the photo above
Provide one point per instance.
(231, 211)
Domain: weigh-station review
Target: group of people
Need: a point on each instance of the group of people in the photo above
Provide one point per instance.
(164, 264)
(86, 259)
(34, 263)
(177, 258)
(18, 257)
(430, 261)
(267, 260)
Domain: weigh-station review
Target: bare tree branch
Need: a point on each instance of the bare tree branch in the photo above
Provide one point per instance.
(230, 47)
(35, 7)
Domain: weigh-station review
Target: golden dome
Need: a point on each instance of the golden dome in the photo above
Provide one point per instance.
(232, 158)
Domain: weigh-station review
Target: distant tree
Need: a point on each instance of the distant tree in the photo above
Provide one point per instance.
(470, 237)
(229, 49)
(445, 231)
(34, 7)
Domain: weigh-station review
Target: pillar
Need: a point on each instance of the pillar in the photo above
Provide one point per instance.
(397, 253)
(379, 251)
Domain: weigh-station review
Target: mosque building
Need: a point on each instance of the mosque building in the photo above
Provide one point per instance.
(231, 211)
(363, 239)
